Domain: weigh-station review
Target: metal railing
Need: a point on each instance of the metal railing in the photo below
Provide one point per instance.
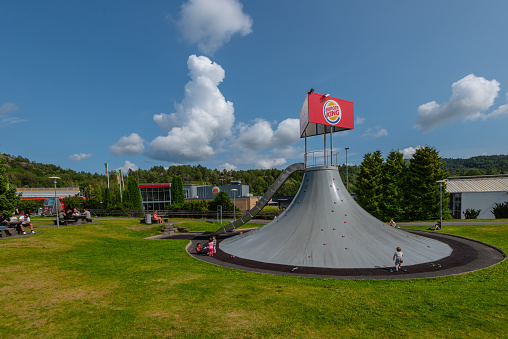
(322, 158)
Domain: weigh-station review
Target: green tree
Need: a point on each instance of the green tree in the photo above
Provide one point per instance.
(177, 195)
(369, 184)
(134, 193)
(394, 181)
(107, 203)
(8, 196)
(422, 191)
(222, 198)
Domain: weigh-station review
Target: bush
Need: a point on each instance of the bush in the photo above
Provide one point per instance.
(500, 210)
(471, 213)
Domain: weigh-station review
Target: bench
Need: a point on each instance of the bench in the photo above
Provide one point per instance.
(65, 221)
(6, 232)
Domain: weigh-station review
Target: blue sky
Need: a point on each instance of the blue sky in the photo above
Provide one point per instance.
(221, 82)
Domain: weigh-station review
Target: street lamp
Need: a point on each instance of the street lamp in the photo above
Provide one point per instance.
(234, 190)
(441, 202)
(56, 209)
(347, 177)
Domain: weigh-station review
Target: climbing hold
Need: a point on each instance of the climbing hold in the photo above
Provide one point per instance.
(331, 186)
(345, 222)
(345, 215)
(343, 236)
(322, 229)
(332, 210)
(324, 244)
(335, 202)
(334, 229)
(347, 248)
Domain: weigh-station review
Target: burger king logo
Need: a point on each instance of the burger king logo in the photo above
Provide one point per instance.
(332, 112)
(215, 190)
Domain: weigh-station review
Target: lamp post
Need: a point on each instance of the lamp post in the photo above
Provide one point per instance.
(347, 176)
(440, 202)
(56, 209)
(234, 202)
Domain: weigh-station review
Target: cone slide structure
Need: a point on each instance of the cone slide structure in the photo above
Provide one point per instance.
(325, 227)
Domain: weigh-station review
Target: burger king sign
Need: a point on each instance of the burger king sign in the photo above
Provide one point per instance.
(332, 112)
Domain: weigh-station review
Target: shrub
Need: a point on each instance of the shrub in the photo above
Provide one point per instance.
(471, 213)
(500, 210)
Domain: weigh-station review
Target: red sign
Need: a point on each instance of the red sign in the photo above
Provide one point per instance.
(320, 111)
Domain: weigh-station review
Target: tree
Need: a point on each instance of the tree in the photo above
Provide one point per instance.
(177, 195)
(8, 196)
(422, 192)
(222, 199)
(108, 200)
(394, 181)
(134, 193)
(369, 184)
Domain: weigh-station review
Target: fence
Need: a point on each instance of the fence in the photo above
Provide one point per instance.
(178, 214)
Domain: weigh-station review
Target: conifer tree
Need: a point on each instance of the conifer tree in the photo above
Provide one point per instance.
(422, 193)
(8, 196)
(394, 182)
(177, 195)
(369, 184)
(134, 193)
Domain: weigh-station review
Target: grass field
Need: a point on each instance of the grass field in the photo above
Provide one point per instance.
(106, 280)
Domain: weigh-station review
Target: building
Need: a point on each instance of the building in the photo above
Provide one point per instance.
(476, 192)
(158, 196)
(41, 193)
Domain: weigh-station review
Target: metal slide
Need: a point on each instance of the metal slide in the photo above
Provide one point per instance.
(264, 199)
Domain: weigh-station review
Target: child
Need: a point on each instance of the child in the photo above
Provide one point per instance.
(199, 249)
(214, 244)
(210, 247)
(398, 258)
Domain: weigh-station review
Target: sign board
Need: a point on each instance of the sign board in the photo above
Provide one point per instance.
(49, 204)
(215, 190)
(323, 113)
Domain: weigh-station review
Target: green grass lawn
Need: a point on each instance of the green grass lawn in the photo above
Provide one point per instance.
(106, 280)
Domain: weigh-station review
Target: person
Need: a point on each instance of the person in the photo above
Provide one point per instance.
(436, 227)
(25, 221)
(397, 256)
(157, 219)
(214, 240)
(68, 215)
(392, 223)
(210, 247)
(199, 248)
(61, 214)
(75, 212)
(87, 214)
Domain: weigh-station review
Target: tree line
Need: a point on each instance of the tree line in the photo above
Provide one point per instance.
(399, 189)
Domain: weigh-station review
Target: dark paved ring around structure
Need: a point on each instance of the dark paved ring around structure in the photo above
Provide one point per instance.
(468, 255)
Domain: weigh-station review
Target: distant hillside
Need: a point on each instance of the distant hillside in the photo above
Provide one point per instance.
(480, 165)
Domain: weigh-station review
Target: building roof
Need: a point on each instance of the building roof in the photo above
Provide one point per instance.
(48, 192)
(480, 183)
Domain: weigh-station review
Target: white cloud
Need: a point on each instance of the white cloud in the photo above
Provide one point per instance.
(8, 107)
(407, 153)
(128, 145)
(471, 96)
(212, 23)
(376, 132)
(227, 166)
(201, 120)
(5, 121)
(500, 111)
(260, 135)
(126, 166)
(80, 156)
(359, 120)
(270, 163)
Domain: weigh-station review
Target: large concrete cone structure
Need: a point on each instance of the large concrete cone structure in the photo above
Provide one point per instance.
(325, 227)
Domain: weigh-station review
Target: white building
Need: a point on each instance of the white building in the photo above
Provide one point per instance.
(477, 192)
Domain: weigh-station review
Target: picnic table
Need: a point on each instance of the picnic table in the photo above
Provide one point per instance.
(76, 220)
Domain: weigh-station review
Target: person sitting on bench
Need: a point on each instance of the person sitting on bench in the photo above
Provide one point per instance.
(25, 221)
(88, 217)
(157, 219)
(199, 249)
